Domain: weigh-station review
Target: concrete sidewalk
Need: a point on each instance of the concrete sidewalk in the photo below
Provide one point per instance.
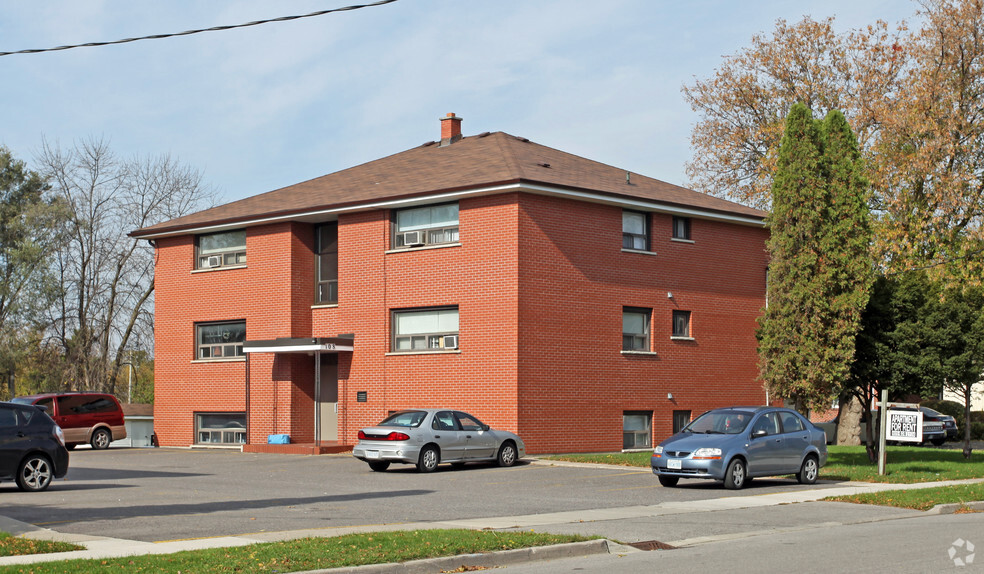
(692, 523)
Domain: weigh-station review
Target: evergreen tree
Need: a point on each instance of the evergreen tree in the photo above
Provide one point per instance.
(821, 270)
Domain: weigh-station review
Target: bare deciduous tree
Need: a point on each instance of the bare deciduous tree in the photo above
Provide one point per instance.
(107, 277)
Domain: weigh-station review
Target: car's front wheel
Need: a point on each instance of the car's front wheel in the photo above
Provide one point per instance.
(507, 454)
(809, 471)
(736, 475)
(35, 473)
(428, 460)
(668, 480)
(379, 465)
(101, 439)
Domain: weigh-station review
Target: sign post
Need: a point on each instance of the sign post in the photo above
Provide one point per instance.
(901, 422)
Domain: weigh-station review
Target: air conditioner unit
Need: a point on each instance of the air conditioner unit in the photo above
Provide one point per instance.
(213, 261)
(450, 341)
(413, 238)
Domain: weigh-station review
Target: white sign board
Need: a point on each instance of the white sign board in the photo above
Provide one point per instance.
(904, 426)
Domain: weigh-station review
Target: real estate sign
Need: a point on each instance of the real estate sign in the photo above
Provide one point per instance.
(904, 425)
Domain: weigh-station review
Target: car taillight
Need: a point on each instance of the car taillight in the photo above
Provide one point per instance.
(397, 436)
(57, 431)
(362, 435)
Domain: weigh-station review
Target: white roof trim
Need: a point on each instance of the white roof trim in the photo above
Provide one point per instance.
(632, 203)
(324, 348)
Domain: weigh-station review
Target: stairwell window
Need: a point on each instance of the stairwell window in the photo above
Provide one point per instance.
(327, 263)
(635, 329)
(423, 226)
(421, 330)
(224, 249)
(635, 230)
(219, 341)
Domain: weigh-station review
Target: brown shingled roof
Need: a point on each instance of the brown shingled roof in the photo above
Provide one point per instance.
(478, 161)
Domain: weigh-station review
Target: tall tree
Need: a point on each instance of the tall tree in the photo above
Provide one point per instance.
(820, 271)
(30, 232)
(106, 276)
(916, 99)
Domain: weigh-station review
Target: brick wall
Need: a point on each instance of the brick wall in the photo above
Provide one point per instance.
(539, 283)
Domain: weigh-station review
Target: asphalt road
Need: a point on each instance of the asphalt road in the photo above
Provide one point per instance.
(909, 545)
(165, 494)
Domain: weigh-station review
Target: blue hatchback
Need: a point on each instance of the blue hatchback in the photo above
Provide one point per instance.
(735, 444)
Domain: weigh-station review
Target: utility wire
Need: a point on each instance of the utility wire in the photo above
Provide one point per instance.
(190, 32)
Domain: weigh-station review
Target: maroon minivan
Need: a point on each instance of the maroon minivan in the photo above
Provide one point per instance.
(94, 418)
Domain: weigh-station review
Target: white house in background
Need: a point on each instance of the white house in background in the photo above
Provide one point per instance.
(976, 397)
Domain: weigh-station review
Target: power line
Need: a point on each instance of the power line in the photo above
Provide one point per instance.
(190, 32)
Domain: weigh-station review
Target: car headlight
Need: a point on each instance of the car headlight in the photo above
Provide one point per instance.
(658, 450)
(707, 453)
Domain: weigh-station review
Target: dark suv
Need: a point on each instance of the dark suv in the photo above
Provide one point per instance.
(94, 418)
(32, 447)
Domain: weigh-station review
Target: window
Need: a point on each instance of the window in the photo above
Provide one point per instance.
(637, 429)
(681, 228)
(635, 329)
(222, 249)
(769, 422)
(326, 246)
(680, 420)
(220, 428)
(425, 330)
(681, 324)
(791, 423)
(635, 230)
(420, 226)
(220, 340)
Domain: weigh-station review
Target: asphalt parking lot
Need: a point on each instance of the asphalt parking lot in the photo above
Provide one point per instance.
(164, 494)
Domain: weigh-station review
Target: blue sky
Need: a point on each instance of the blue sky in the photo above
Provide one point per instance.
(260, 108)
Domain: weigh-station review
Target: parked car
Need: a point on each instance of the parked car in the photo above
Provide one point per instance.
(735, 444)
(949, 425)
(94, 418)
(32, 447)
(428, 437)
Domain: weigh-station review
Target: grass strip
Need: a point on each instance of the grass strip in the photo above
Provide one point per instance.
(310, 553)
(919, 498)
(904, 464)
(13, 546)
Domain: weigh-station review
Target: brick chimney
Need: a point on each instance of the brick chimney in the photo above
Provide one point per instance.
(450, 129)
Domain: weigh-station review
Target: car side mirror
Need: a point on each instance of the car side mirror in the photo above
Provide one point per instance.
(485, 427)
(759, 433)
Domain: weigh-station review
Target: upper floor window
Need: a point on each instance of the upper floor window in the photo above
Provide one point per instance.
(326, 246)
(222, 249)
(635, 230)
(635, 329)
(681, 228)
(431, 225)
(681, 324)
(425, 330)
(220, 340)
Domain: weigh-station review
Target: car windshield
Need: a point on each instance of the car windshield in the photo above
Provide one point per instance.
(720, 422)
(404, 419)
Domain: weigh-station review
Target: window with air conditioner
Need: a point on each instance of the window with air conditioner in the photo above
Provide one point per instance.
(422, 330)
(220, 428)
(220, 341)
(226, 249)
(423, 226)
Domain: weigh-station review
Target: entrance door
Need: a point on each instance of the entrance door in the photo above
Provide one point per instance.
(328, 404)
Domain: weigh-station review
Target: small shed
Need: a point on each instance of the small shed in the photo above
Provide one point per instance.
(139, 419)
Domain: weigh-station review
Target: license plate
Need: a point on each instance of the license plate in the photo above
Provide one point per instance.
(372, 454)
(674, 464)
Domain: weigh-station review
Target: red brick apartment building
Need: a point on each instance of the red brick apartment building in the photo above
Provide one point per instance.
(582, 306)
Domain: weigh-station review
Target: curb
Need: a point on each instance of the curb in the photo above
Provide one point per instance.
(465, 562)
(952, 508)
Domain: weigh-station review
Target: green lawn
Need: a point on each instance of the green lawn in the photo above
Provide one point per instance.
(309, 553)
(13, 546)
(919, 498)
(905, 464)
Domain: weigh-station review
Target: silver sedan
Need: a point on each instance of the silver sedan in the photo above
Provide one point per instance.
(428, 437)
